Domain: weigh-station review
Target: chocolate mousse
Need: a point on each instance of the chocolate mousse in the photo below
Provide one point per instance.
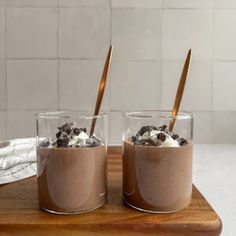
(71, 171)
(157, 170)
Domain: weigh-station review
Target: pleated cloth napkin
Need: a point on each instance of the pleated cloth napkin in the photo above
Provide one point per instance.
(17, 159)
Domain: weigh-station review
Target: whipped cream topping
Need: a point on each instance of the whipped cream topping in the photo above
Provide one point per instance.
(168, 142)
(161, 137)
(70, 136)
(81, 138)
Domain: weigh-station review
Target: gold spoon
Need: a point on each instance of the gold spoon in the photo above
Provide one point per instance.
(180, 89)
(101, 88)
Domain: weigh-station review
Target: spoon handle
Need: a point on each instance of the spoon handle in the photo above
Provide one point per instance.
(180, 89)
(101, 88)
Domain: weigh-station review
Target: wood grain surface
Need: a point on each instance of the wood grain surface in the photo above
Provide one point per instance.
(20, 214)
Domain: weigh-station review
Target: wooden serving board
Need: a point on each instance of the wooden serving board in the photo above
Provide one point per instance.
(20, 214)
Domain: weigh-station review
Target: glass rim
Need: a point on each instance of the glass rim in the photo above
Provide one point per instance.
(69, 114)
(167, 114)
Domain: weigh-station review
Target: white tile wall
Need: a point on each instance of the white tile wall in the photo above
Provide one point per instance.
(225, 4)
(202, 127)
(224, 84)
(187, 4)
(2, 84)
(21, 124)
(225, 123)
(136, 3)
(84, 32)
(2, 32)
(32, 32)
(55, 48)
(195, 97)
(136, 33)
(224, 35)
(184, 29)
(84, 2)
(33, 3)
(32, 84)
(78, 84)
(2, 3)
(135, 85)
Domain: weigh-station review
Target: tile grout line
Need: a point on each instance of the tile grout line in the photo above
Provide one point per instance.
(6, 77)
(110, 75)
(129, 7)
(109, 92)
(111, 110)
(53, 6)
(162, 56)
(212, 71)
(110, 38)
(120, 7)
(58, 61)
(119, 59)
(110, 86)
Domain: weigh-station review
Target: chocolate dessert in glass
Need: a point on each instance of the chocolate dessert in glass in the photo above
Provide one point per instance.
(71, 164)
(157, 162)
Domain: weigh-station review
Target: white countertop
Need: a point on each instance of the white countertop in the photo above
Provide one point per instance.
(214, 173)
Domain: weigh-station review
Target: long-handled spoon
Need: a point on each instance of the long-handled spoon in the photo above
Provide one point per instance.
(101, 89)
(180, 89)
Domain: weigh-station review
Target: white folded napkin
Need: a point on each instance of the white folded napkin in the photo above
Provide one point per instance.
(17, 159)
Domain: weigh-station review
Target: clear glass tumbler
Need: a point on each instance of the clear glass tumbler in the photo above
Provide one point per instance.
(157, 161)
(71, 163)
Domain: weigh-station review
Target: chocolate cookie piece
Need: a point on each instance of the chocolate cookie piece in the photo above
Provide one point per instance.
(93, 142)
(175, 136)
(163, 128)
(45, 143)
(67, 133)
(145, 129)
(133, 138)
(76, 131)
(182, 141)
(162, 137)
(146, 137)
(67, 127)
(58, 134)
(151, 142)
(62, 142)
(140, 142)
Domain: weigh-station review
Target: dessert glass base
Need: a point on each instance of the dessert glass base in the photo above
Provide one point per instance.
(73, 213)
(155, 212)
